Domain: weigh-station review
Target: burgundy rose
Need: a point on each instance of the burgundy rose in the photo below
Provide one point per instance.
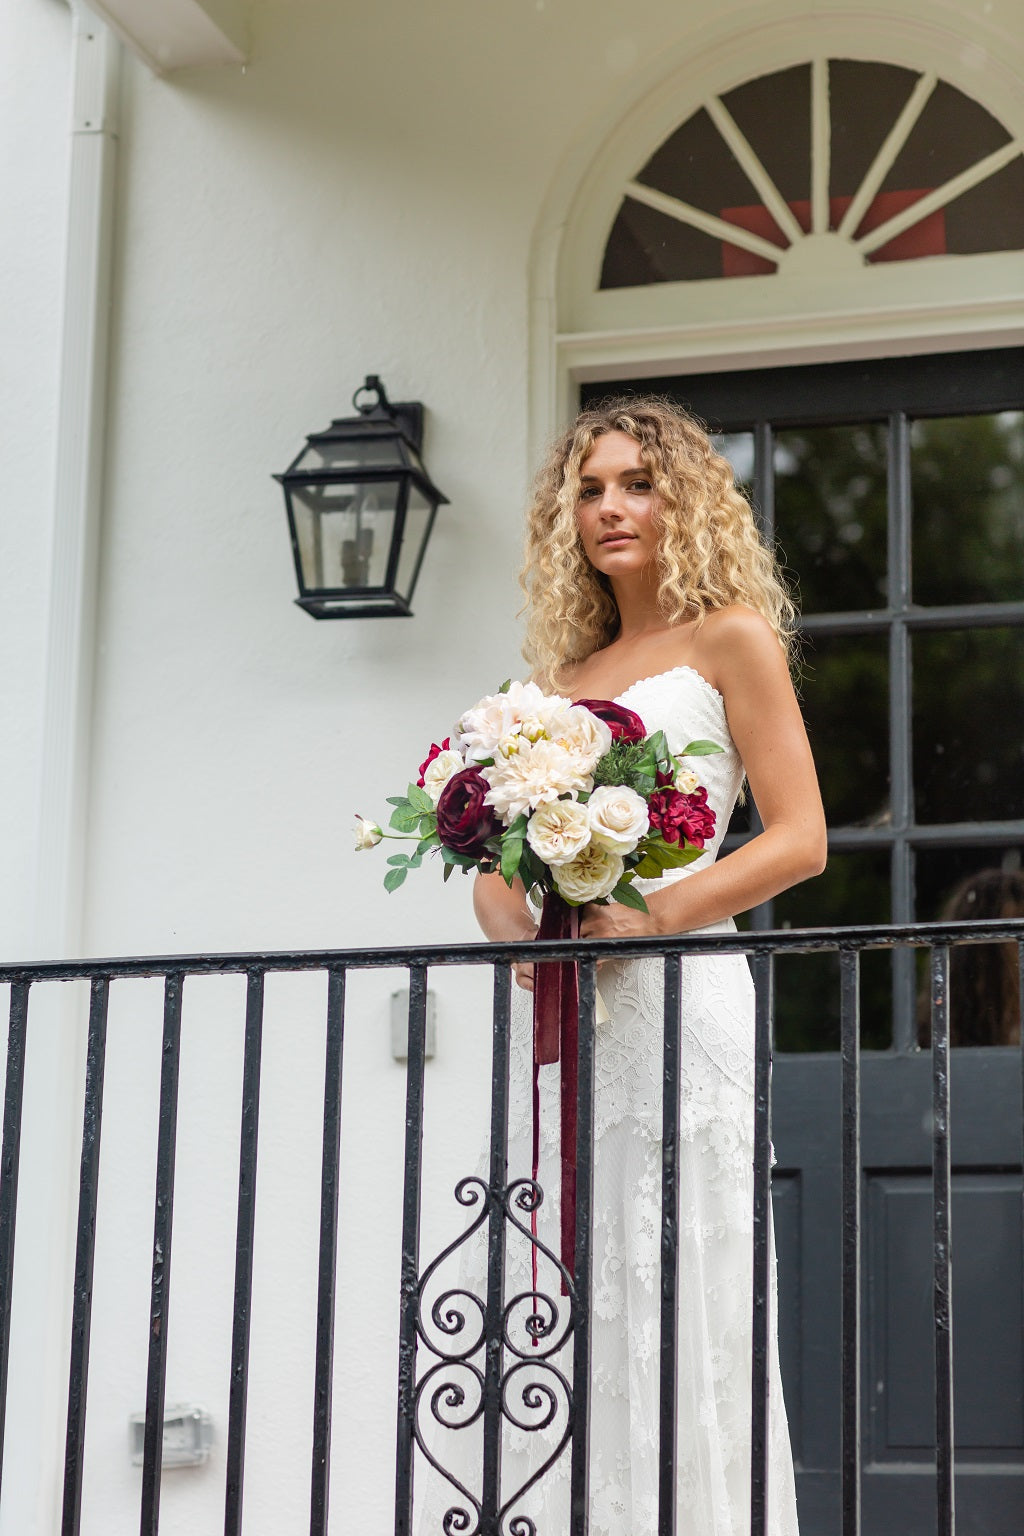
(682, 818)
(435, 751)
(623, 723)
(464, 822)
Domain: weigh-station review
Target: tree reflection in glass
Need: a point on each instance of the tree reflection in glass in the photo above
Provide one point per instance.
(968, 709)
(831, 511)
(967, 488)
(844, 695)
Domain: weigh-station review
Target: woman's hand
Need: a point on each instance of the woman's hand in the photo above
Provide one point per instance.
(522, 970)
(615, 921)
(504, 915)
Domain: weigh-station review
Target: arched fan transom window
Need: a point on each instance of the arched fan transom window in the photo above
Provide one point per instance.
(827, 166)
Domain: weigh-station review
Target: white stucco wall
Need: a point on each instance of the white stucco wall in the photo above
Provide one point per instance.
(362, 197)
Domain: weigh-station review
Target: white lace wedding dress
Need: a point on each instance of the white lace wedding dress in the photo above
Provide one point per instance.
(716, 1198)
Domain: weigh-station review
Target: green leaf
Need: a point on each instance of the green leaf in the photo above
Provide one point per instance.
(431, 841)
(463, 860)
(396, 800)
(506, 685)
(415, 861)
(405, 820)
(448, 871)
(419, 799)
(399, 860)
(701, 749)
(394, 878)
(511, 854)
(627, 896)
(659, 856)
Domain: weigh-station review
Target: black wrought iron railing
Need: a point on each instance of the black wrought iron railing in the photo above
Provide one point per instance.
(489, 1352)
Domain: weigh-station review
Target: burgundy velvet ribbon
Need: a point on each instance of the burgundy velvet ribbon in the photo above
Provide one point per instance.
(556, 1038)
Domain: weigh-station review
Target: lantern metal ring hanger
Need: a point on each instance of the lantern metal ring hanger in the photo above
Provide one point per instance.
(361, 508)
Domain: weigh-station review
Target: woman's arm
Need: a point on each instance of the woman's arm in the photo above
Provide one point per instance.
(738, 652)
(504, 916)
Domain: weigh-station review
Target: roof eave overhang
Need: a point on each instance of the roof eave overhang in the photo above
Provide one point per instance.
(179, 34)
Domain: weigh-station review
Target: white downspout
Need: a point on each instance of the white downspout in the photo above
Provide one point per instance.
(52, 1119)
(81, 430)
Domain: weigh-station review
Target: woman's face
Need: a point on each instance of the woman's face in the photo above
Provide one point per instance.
(616, 512)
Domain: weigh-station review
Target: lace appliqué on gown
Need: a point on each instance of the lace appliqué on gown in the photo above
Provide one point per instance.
(715, 1261)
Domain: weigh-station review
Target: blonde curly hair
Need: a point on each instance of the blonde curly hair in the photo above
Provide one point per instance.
(711, 554)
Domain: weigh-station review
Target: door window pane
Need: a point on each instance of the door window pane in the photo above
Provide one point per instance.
(967, 488)
(831, 510)
(845, 701)
(968, 741)
(854, 888)
(984, 994)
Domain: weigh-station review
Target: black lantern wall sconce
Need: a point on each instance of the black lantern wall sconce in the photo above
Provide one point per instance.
(361, 508)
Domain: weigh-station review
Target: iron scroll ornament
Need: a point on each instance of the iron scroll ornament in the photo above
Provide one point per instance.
(532, 1390)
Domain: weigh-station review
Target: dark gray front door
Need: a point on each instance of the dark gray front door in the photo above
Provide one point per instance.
(895, 491)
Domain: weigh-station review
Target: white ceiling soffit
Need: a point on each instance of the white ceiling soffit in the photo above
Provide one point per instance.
(176, 34)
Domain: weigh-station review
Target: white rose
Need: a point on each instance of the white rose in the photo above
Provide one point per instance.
(537, 774)
(582, 735)
(686, 781)
(594, 873)
(618, 817)
(558, 831)
(367, 834)
(437, 774)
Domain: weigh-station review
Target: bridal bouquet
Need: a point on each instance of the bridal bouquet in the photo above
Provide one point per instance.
(576, 799)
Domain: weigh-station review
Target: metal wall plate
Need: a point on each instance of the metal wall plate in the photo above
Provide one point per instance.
(188, 1436)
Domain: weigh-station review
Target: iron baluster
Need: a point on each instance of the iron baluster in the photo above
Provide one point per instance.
(244, 1244)
(762, 1248)
(160, 1288)
(85, 1252)
(670, 1150)
(323, 1375)
(943, 1288)
(10, 1158)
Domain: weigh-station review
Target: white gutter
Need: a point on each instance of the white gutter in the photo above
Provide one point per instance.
(52, 1121)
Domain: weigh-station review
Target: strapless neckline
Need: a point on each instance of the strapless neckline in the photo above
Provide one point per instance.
(656, 677)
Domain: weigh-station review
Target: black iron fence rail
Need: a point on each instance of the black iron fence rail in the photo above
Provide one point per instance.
(774, 941)
(499, 1204)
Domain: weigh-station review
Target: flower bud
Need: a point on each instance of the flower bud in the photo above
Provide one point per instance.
(367, 834)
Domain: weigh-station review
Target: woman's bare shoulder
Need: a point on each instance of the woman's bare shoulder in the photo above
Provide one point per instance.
(737, 637)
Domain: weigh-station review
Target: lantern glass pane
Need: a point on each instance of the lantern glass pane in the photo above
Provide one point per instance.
(417, 520)
(342, 453)
(344, 533)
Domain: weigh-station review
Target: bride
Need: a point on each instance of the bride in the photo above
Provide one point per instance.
(647, 584)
